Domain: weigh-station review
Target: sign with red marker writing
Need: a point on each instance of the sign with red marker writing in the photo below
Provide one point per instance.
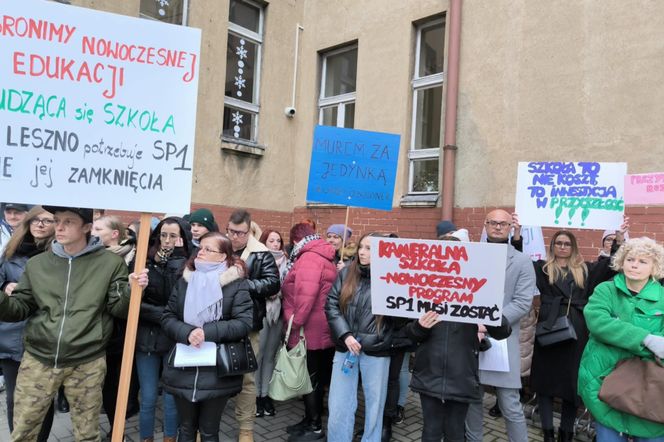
(644, 188)
(566, 194)
(96, 109)
(462, 281)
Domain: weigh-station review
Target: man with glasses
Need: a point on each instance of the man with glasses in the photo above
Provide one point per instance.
(13, 214)
(519, 290)
(263, 281)
(69, 295)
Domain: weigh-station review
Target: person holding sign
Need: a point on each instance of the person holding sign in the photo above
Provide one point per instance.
(624, 317)
(562, 281)
(519, 290)
(68, 295)
(357, 331)
(32, 236)
(168, 252)
(210, 303)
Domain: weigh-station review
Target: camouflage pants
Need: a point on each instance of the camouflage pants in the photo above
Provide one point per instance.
(36, 387)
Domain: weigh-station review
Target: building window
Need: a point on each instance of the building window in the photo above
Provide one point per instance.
(168, 11)
(337, 90)
(243, 60)
(424, 153)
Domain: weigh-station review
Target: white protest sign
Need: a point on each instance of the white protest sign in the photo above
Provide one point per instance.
(462, 281)
(533, 242)
(97, 109)
(582, 195)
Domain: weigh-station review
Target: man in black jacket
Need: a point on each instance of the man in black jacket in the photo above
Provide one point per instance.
(263, 281)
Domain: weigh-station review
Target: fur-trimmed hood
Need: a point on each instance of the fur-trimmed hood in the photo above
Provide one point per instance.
(253, 245)
(229, 275)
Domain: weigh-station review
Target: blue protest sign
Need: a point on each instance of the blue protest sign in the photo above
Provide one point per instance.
(353, 167)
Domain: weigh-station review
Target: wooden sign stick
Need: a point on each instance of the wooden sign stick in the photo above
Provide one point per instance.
(343, 237)
(130, 333)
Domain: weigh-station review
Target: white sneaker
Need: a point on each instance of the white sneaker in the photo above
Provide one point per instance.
(2, 383)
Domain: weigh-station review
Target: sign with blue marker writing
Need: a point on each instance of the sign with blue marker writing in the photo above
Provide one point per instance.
(566, 194)
(353, 167)
(96, 109)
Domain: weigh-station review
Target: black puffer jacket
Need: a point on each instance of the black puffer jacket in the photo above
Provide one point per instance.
(446, 362)
(163, 276)
(357, 319)
(262, 277)
(201, 383)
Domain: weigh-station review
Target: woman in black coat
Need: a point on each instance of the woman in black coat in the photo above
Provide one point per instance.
(563, 281)
(210, 303)
(167, 254)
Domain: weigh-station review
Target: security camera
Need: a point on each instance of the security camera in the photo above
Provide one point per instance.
(290, 112)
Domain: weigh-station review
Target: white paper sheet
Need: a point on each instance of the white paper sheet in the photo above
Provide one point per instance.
(495, 358)
(190, 356)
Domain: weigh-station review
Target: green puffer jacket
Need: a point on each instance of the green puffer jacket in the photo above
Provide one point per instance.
(68, 302)
(618, 322)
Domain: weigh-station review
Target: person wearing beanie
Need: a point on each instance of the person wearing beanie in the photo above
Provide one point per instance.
(335, 236)
(202, 222)
(444, 227)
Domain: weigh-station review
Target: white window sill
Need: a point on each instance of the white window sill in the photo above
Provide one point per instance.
(420, 200)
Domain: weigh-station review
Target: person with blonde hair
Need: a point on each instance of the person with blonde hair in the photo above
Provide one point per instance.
(624, 317)
(112, 232)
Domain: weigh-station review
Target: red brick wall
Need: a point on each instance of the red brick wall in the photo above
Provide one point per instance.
(421, 222)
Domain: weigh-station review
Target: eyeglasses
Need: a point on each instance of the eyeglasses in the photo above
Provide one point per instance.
(500, 225)
(238, 233)
(172, 236)
(209, 250)
(562, 244)
(42, 221)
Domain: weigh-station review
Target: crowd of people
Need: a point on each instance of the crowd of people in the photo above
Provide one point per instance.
(65, 280)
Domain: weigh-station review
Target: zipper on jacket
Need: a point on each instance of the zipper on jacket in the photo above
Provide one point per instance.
(193, 394)
(64, 315)
(445, 356)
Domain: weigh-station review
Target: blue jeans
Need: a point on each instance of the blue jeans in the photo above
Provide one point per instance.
(404, 380)
(147, 367)
(606, 434)
(342, 400)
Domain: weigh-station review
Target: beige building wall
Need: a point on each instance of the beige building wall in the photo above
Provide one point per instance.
(569, 80)
(538, 81)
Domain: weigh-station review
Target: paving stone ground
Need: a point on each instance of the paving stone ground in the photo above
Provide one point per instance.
(274, 428)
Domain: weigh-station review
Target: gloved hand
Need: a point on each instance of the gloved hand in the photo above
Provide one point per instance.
(655, 344)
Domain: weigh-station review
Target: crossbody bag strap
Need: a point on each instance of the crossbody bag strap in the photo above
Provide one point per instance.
(288, 330)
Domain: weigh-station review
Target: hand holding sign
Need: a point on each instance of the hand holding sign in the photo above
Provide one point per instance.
(429, 319)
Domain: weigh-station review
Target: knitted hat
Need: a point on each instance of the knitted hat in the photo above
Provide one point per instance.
(203, 217)
(85, 214)
(444, 227)
(338, 229)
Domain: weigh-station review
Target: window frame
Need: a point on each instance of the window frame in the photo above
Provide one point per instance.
(419, 84)
(185, 14)
(233, 103)
(338, 101)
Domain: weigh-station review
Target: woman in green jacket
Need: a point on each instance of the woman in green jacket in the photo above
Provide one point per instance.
(625, 318)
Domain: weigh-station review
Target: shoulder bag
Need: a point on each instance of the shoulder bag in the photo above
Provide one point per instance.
(235, 358)
(290, 377)
(553, 332)
(636, 387)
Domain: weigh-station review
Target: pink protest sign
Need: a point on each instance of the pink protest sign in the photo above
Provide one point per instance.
(644, 188)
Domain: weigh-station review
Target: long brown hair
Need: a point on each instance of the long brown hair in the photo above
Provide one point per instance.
(352, 281)
(22, 233)
(575, 265)
(225, 246)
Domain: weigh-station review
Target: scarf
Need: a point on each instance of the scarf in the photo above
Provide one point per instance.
(296, 251)
(125, 250)
(204, 297)
(273, 303)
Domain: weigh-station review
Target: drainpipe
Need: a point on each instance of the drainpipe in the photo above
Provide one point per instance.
(451, 99)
